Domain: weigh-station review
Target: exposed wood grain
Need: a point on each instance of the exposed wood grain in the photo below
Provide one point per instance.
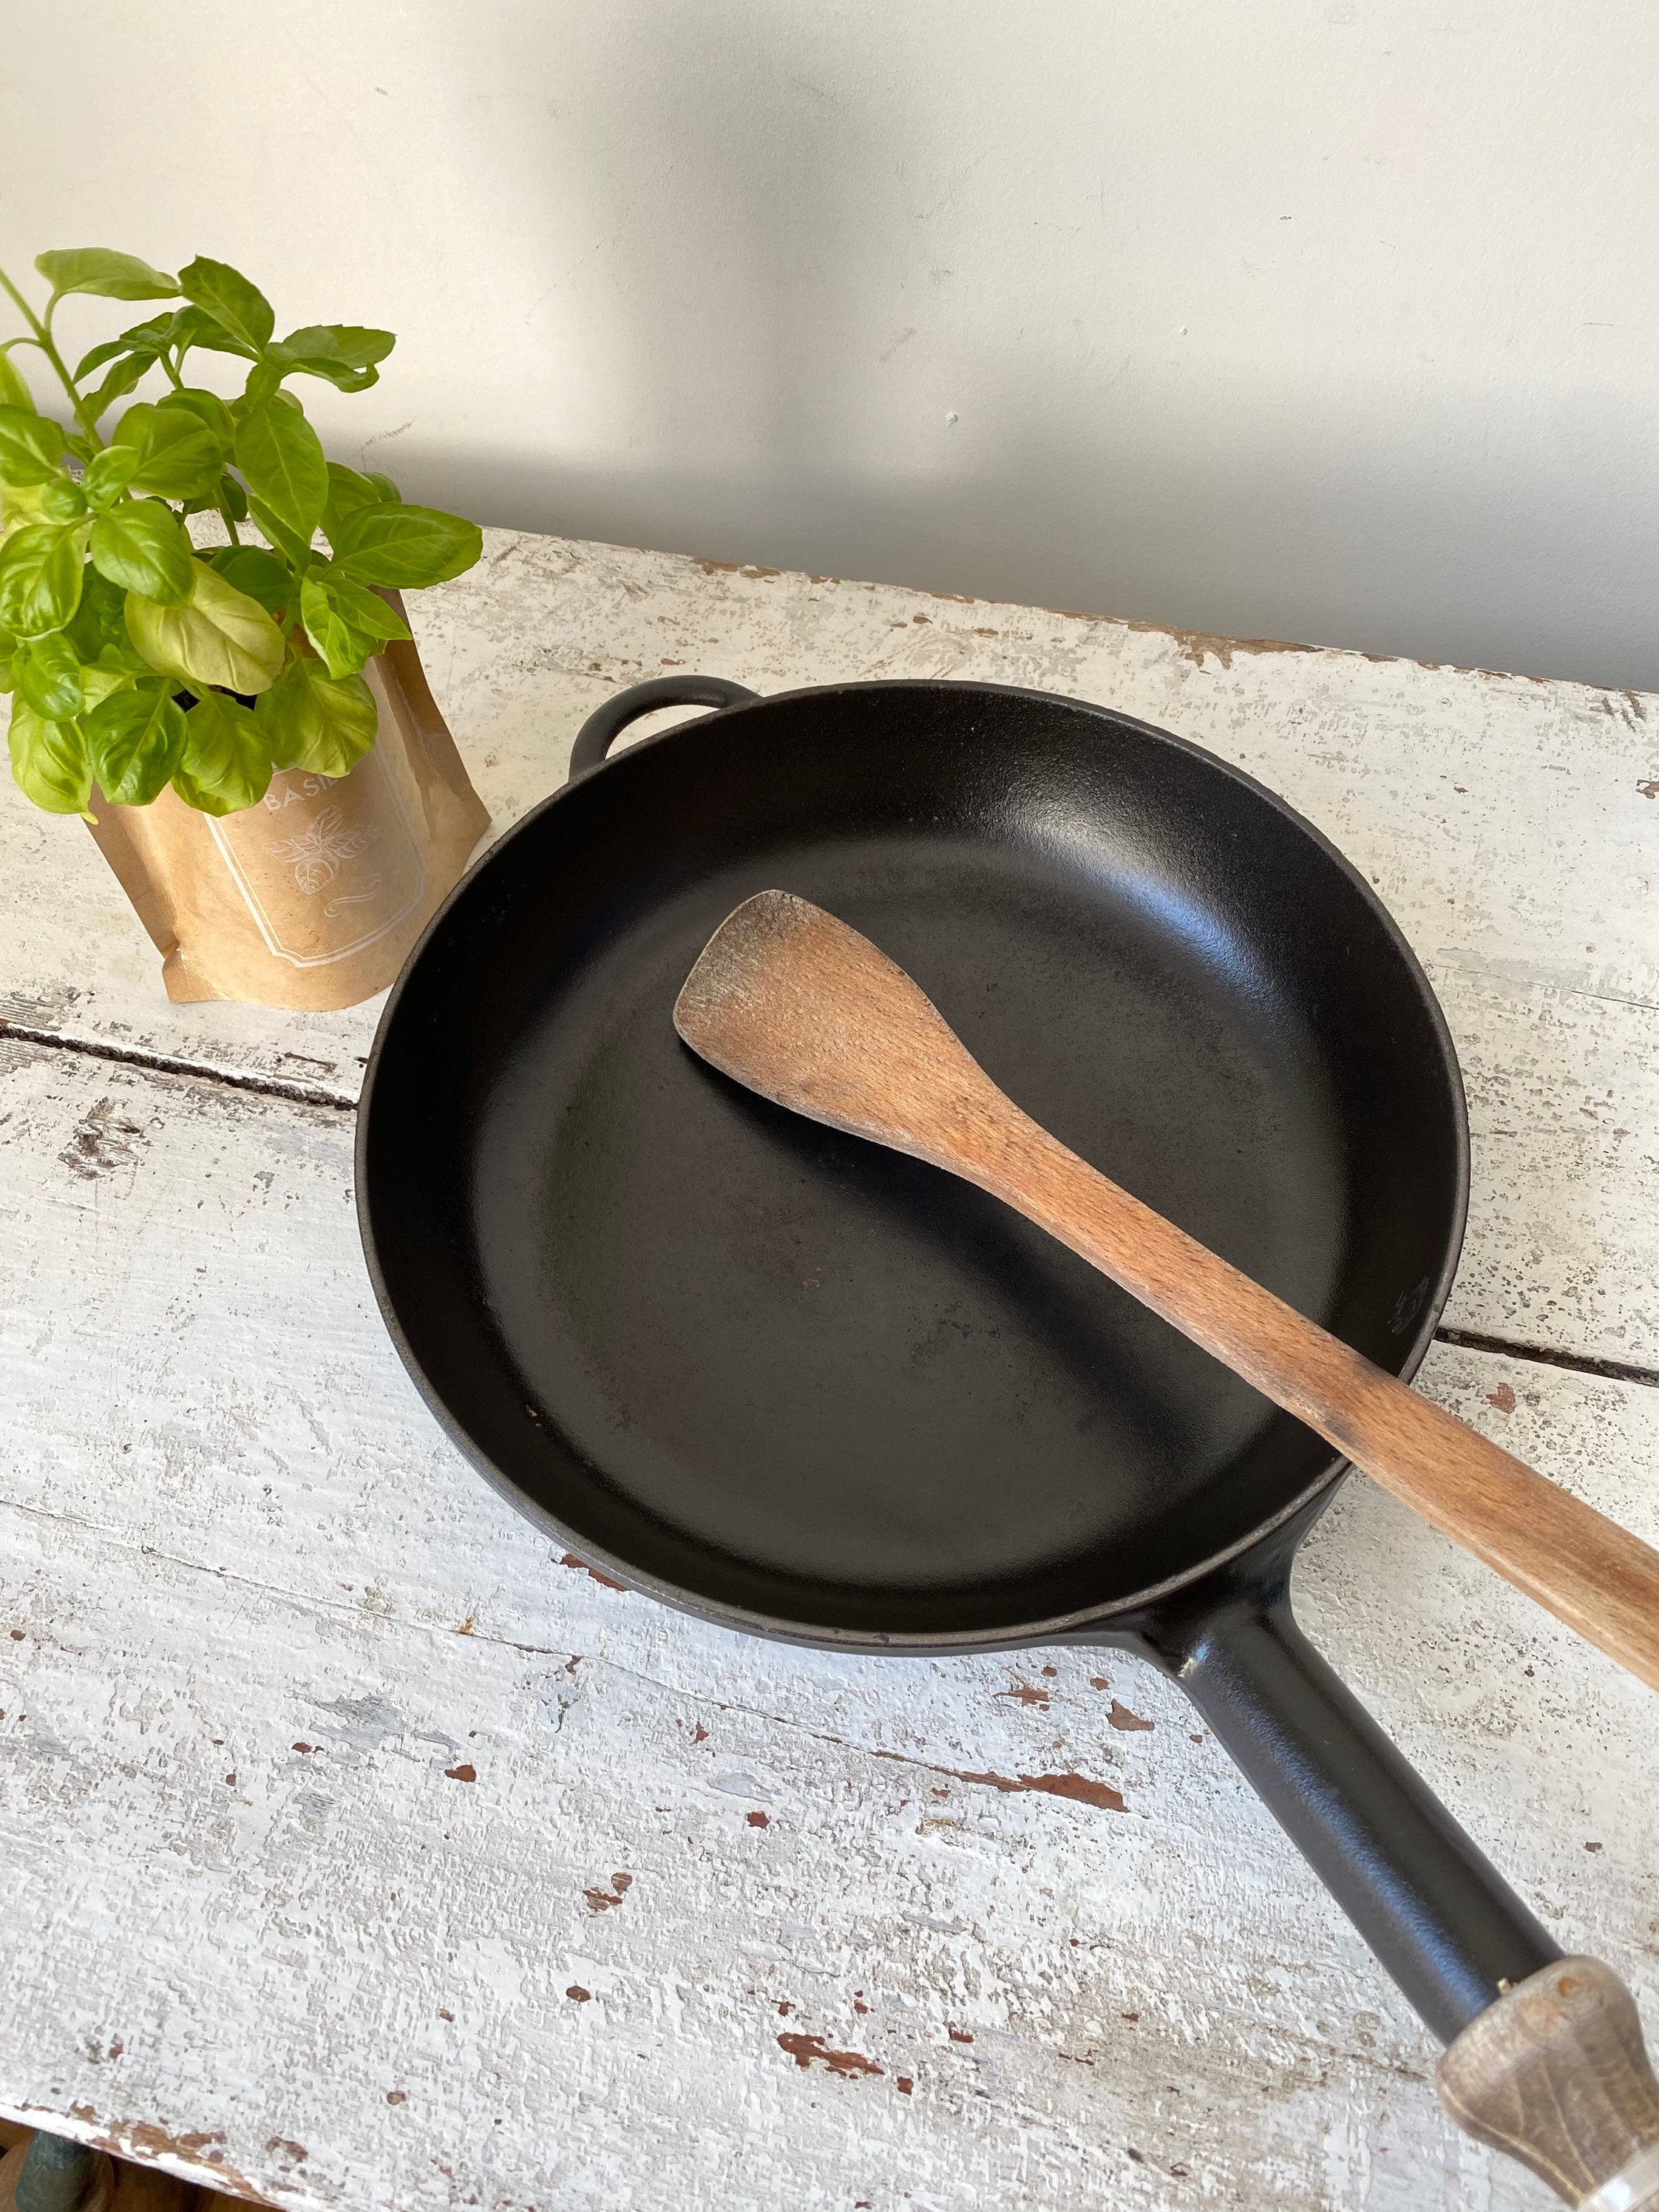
(1556, 2073)
(803, 1009)
(228, 1528)
(1512, 826)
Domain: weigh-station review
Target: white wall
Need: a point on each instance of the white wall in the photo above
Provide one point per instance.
(1332, 319)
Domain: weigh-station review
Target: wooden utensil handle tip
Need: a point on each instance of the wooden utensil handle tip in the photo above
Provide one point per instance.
(1556, 2073)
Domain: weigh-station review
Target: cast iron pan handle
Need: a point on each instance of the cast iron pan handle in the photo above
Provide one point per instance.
(1545, 2059)
(606, 724)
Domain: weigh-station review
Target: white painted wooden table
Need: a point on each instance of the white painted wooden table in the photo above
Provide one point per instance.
(357, 1849)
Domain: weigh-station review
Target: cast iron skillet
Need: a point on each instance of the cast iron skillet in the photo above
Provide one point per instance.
(814, 1389)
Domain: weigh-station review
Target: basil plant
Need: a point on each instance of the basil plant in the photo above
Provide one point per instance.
(136, 661)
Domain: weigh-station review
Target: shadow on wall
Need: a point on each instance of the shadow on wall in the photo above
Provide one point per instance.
(760, 276)
(1113, 544)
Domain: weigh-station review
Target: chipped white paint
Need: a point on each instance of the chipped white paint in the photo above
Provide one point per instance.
(1512, 826)
(259, 1625)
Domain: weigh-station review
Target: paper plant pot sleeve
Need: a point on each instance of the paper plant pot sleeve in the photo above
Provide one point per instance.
(314, 898)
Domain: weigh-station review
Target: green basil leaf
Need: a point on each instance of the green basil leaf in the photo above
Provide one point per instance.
(207, 407)
(142, 546)
(226, 294)
(126, 373)
(343, 353)
(383, 484)
(317, 722)
(107, 474)
(62, 499)
(40, 577)
(124, 658)
(95, 357)
(344, 649)
(256, 572)
(347, 622)
(49, 761)
(30, 444)
(179, 456)
(135, 740)
(99, 683)
(14, 392)
(194, 326)
(331, 372)
(226, 760)
(20, 505)
(265, 381)
(347, 344)
(370, 611)
(347, 492)
(405, 545)
(295, 549)
(151, 338)
(47, 673)
(222, 637)
(98, 618)
(98, 621)
(112, 276)
(232, 500)
(282, 458)
(155, 336)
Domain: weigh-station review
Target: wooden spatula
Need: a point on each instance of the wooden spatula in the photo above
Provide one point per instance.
(794, 1004)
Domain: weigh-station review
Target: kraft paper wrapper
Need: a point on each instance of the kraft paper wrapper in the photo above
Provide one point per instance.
(314, 898)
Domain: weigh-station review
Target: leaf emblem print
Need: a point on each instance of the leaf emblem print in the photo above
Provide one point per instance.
(319, 853)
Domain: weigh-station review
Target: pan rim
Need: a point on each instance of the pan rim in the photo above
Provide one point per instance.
(1085, 1624)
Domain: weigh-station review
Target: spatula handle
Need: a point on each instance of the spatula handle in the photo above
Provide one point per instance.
(1556, 2073)
(1594, 1575)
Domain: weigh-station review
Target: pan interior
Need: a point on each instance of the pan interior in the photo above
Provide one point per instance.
(791, 1375)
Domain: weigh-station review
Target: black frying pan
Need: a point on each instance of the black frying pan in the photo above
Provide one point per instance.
(814, 1389)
